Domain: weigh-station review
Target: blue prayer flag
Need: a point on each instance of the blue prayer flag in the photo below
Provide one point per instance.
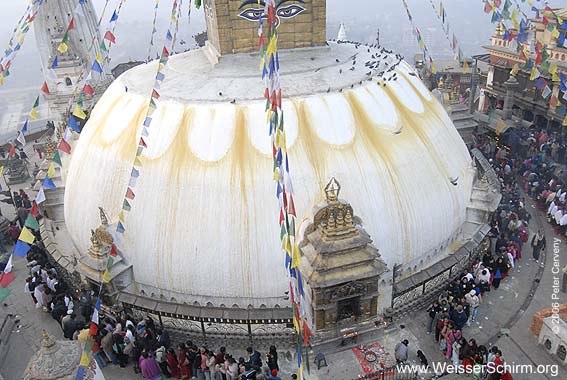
(55, 62)
(21, 248)
(48, 183)
(73, 124)
(96, 67)
(114, 17)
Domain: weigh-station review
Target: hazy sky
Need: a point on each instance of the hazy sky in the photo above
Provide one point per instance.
(362, 17)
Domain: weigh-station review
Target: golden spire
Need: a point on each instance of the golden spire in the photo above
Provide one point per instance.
(332, 190)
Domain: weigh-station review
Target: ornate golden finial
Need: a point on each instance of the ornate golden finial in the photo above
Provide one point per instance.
(103, 218)
(46, 340)
(331, 225)
(348, 218)
(332, 190)
(340, 218)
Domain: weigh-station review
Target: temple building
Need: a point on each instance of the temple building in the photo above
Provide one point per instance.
(83, 43)
(388, 197)
(525, 100)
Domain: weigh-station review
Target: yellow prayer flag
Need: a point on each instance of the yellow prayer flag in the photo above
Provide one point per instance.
(552, 68)
(78, 112)
(564, 122)
(272, 46)
(555, 33)
(106, 276)
(534, 74)
(1, 79)
(295, 324)
(500, 126)
(1, 169)
(137, 161)
(62, 48)
(26, 236)
(276, 174)
(295, 257)
(51, 170)
(121, 216)
(84, 360)
(33, 114)
(99, 57)
(433, 69)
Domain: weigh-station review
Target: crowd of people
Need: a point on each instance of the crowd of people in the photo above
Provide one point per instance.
(460, 305)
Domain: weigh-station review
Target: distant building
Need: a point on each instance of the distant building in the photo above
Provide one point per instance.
(342, 35)
(527, 101)
(122, 67)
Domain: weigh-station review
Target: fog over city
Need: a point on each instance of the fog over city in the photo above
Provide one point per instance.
(362, 19)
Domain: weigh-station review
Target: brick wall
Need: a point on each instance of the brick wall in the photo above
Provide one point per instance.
(537, 320)
(230, 33)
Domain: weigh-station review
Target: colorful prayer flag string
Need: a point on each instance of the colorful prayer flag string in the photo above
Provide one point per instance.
(147, 120)
(269, 63)
(154, 30)
(19, 33)
(420, 40)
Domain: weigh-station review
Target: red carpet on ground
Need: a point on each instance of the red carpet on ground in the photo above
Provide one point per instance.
(373, 357)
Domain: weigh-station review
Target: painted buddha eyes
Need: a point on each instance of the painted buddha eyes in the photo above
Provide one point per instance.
(253, 14)
(289, 11)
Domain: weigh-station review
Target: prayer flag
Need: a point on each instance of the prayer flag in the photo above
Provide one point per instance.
(71, 24)
(120, 228)
(33, 114)
(32, 223)
(130, 194)
(48, 183)
(40, 198)
(534, 73)
(73, 124)
(21, 249)
(96, 67)
(114, 17)
(113, 250)
(26, 236)
(95, 318)
(78, 112)
(21, 138)
(62, 48)
(88, 89)
(51, 170)
(4, 293)
(44, 88)
(109, 36)
(6, 278)
(34, 211)
(57, 158)
(84, 359)
(9, 265)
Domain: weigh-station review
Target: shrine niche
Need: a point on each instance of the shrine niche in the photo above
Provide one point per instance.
(341, 267)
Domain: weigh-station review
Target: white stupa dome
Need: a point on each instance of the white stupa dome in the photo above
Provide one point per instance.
(204, 223)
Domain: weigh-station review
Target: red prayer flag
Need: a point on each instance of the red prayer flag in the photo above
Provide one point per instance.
(45, 89)
(88, 89)
(291, 208)
(280, 98)
(34, 211)
(142, 142)
(281, 216)
(6, 279)
(12, 150)
(93, 329)
(64, 146)
(109, 36)
(306, 334)
(71, 24)
(130, 194)
(165, 52)
(113, 251)
(155, 94)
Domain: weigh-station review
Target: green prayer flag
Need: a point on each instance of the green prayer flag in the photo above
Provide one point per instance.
(4, 293)
(197, 4)
(36, 103)
(32, 223)
(126, 206)
(65, 37)
(110, 262)
(282, 231)
(57, 158)
(103, 47)
(80, 100)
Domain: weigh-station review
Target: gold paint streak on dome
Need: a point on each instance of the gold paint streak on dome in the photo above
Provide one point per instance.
(418, 124)
(380, 144)
(241, 172)
(312, 145)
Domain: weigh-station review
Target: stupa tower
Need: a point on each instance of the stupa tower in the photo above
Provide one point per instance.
(50, 26)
